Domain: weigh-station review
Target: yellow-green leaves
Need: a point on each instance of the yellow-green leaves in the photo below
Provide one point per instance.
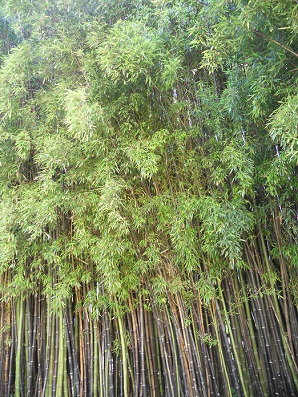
(23, 144)
(8, 244)
(171, 67)
(81, 116)
(111, 207)
(223, 228)
(144, 154)
(128, 51)
(284, 126)
(15, 78)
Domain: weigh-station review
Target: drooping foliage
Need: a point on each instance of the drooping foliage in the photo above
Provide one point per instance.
(148, 193)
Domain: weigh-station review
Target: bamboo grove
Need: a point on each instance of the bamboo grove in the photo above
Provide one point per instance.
(148, 194)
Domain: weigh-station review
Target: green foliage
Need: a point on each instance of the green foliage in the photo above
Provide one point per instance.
(113, 128)
(223, 227)
(128, 52)
(80, 116)
(283, 126)
(7, 240)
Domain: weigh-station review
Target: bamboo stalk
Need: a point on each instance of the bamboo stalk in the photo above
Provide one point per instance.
(69, 356)
(11, 375)
(19, 326)
(165, 357)
(254, 362)
(74, 348)
(96, 358)
(41, 343)
(133, 325)
(153, 361)
(87, 353)
(234, 346)
(123, 350)
(32, 347)
(172, 335)
(6, 314)
(60, 356)
(259, 311)
(214, 314)
(48, 377)
(143, 390)
(275, 306)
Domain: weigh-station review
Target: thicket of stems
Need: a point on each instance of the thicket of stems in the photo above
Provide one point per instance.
(148, 198)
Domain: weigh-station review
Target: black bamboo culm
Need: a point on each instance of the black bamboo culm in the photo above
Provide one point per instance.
(237, 341)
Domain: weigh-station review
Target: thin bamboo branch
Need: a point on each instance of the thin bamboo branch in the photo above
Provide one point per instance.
(264, 36)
